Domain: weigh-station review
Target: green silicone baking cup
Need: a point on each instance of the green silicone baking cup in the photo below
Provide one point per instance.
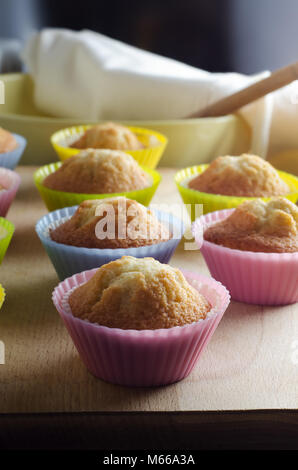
(58, 199)
(4, 242)
(216, 202)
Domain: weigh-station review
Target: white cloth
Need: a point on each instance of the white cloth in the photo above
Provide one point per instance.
(89, 76)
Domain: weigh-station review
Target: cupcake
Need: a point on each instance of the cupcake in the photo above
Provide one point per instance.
(144, 145)
(98, 172)
(129, 318)
(95, 174)
(138, 294)
(228, 181)
(7, 141)
(108, 136)
(9, 185)
(253, 250)
(11, 149)
(99, 231)
(244, 176)
(268, 227)
(129, 224)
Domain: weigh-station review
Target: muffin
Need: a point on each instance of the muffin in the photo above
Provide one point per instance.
(139, 294)
(259, 226)
(108, 136)
(7, 141)
(125, 224)
(98, 172)
(120, 294)
(9, 185)
(243, 176)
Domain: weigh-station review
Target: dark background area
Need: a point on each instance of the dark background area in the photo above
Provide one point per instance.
(217, 35)
(191, 31)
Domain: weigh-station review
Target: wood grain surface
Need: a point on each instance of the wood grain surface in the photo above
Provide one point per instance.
(250, 363)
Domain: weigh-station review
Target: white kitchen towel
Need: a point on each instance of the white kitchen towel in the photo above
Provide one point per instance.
(89, 76)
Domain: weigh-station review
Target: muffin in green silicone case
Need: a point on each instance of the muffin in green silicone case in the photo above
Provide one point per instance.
(54, 199)
(214, 202)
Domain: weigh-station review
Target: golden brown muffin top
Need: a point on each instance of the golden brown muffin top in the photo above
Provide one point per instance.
(243, 176)
(270, 227)
(111, 223)
(108, 136)
(139, 294)
(7, 141)
(98, 172)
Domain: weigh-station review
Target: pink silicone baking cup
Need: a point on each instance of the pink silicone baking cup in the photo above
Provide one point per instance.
(256, 278)
(11, 180)
(141, 357)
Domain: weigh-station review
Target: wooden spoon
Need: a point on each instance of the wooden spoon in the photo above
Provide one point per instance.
(232, 103)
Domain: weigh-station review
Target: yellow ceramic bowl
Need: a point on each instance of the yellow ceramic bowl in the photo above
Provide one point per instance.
(215, 202)
(54, 199)
(154, 144)
(190, 141)
(6, 233)
(2, 295)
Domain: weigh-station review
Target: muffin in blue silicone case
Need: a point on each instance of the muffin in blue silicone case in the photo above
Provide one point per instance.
(68, 260)
(11, 159)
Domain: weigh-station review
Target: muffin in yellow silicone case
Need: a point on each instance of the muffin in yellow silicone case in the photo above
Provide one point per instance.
(147, 145)
(108, 136)
(95, 174)
(229, 181)
(2, 296)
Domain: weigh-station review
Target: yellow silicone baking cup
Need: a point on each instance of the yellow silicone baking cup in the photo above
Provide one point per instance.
(154, 143)
(54, 199)
(5, 241)
(215, 202)
(2, 295)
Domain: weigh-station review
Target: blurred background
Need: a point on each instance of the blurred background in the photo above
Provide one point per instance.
(217, 35)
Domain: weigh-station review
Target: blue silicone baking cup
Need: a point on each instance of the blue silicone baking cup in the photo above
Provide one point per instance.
(68, 260)
(11, 159)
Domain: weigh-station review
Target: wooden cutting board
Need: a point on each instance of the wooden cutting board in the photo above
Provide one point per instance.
(250, 365)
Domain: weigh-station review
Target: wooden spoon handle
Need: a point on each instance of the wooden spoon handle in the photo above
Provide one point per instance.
(232, 103)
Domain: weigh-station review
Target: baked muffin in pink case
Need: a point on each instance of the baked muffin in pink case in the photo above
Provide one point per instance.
(173, 314)
(253, 250)
(9, 185)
